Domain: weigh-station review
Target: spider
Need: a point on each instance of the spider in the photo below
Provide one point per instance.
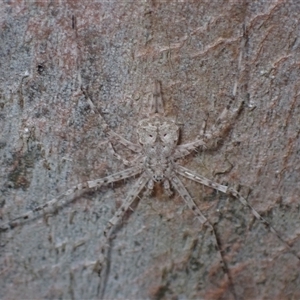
(156, 163)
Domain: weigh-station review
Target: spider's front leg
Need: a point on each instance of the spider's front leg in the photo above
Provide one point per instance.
(223, 123)
(113, 136)
(126, 162)
(156, 103)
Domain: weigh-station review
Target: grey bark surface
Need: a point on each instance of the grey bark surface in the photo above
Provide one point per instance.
(54, 56)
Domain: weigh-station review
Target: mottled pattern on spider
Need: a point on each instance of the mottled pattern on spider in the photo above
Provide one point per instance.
(158, 152)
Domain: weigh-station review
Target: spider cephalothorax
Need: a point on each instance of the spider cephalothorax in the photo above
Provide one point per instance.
(158, 137)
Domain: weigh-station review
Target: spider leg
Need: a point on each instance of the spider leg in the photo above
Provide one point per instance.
(156, 104)
(186, 149)
(126, 162)
(150, 187)
(112, 135)
(221, 126)
(201, 179)
(61, 199)
(167, 187)
(132, 195)
(223, 123)
(232, 192)
(178, 185)
(267, 225)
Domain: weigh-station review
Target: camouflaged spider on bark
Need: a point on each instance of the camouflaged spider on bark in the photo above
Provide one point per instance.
(156, 163)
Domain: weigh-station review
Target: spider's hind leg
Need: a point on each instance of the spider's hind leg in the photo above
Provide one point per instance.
(178, 185)
(62, 199)
(103, 259)
(230, 191)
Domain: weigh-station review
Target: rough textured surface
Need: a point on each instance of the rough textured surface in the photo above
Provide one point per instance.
(53, 55)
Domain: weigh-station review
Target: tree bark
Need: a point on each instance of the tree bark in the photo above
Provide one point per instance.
(56, 57)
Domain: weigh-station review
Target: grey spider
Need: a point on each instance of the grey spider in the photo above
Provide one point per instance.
(156, 163)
